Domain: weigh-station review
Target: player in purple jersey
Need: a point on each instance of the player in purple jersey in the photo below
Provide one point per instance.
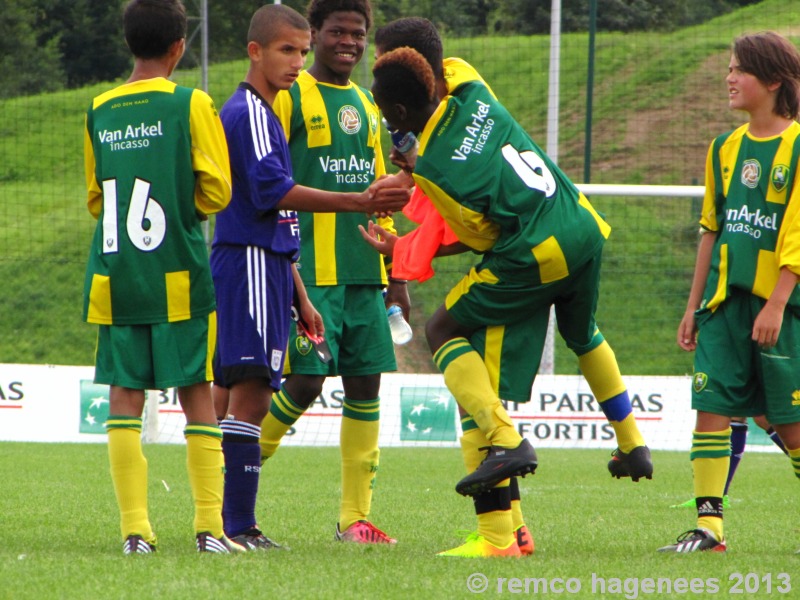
(256, 242)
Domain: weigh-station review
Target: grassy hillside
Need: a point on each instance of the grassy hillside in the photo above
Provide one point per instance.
(659, 99)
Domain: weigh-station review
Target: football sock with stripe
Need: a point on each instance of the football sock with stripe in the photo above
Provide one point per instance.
(738, 441)
(794, 456)
(773, 435)
(599, 367)
(206, 467)
(283, 413)
(472, 440)
(710, 456)
(129, 475)
(242, 466)
(358, 443)
(468, 380)
(493, 508)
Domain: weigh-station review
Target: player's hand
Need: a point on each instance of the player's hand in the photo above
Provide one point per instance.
(312, 318)
(687, 332)
(397, 180)
(388, 194)
(767, 326)
(390, 188)
(405, 161)
(380, 239)
(397, 293)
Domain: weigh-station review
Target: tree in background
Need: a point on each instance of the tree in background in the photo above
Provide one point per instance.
(46, 45)
(27, 66)
(88, 35)
(228, 23)
(452, 17)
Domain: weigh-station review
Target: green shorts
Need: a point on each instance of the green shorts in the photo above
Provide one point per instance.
(157, 356)
(356, 329)
(733, 376)
(510, 321)
(482, 299)
(511, 356)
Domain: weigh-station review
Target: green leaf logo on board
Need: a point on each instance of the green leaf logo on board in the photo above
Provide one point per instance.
(94, 407)
(427, 414)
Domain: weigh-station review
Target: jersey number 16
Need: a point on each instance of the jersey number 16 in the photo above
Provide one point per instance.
(145, 223)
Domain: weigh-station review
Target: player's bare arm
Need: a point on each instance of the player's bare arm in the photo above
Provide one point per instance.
(687, 330)
(310, 314)
(767, 326)
(384, 200)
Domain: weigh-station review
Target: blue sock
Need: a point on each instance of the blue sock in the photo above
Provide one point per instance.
(242, 454)
(773, 435)
(738, 441)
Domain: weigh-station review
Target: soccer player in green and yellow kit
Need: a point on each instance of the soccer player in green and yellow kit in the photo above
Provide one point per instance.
(333, 131)
(744, 297)
(541, 242)
(156, 164)
(511, 372)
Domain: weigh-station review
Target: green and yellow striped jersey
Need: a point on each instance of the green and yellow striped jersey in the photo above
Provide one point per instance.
(334, 140)
(500, 193)
(751, 203)
(155, 158)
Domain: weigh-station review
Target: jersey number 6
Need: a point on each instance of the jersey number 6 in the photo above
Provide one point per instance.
(146, 222)
(531, 169)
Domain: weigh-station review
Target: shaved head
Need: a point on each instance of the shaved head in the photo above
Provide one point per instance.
(268, 21)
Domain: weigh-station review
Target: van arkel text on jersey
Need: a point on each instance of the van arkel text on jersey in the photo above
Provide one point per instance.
(132, 137)
(353, 170)
(477, 132)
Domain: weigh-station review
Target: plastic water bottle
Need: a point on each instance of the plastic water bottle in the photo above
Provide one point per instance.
(401, 330)
(404, 142)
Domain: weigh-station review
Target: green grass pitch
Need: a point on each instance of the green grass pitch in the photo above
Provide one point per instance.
(59, 534)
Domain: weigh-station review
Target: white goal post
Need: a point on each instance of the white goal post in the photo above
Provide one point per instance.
(661, 191)
(547, 364)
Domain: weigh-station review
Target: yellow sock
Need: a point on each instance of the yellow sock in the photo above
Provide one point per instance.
(516, 504)
(628, 434)
(495, 522)
(283, 413)
(129, 475)
(468, 380)
(794, 456)
(711, 457)
(360, 458)
(599, 367)
(206, 468)
(472, 440)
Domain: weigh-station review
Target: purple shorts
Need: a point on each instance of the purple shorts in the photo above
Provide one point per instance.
(254, 297)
